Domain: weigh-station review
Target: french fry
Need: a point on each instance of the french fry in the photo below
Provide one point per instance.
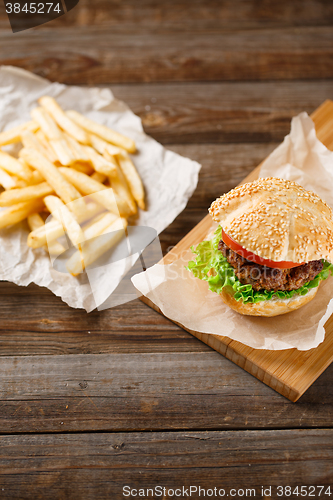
(62, 151)
(17, 213)
(77, 149)
(55, 248)
(47, 124)
(85, 168)
(133, 178)
(15, 196)
(21, 184)
(100, 193)
(6, 180)
(95, 248)
(54, 229)
(102, 131)
(97, 176)
(92, 209)
(35, 222)
(119, 184)
(98, 225)
(114, 150)
(109, 199)
(51, 174)
(100, 164)
(45, 143)
(14, 134)
(46, 235)
(98, 143)
(121, 189)
(54, 135)
(36, 177)
(13, 166)
(61, 213)
(60, 117)
(101, 146)
(29, 140)
(95, 219)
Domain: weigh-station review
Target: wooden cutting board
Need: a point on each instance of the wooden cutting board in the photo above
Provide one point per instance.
(290, 372)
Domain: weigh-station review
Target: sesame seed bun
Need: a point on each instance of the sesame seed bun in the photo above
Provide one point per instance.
(277, 220)
(272, 307)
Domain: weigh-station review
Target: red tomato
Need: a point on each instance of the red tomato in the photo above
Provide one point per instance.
(252, 257)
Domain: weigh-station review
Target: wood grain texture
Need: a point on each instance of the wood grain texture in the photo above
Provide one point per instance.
(97, 466)
(290, 372)
(222, 112)
(90, 55)
(223, 167)
(51, 327)
(182, 15)
(147, 391)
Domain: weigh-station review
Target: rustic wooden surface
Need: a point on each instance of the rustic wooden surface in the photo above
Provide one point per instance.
(61, 466)
(217, 81)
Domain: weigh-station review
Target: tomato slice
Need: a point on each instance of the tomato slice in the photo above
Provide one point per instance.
(252, 257)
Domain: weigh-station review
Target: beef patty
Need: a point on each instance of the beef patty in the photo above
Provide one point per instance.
(268, 278)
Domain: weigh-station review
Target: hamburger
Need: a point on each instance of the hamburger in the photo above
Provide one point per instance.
(271, 250)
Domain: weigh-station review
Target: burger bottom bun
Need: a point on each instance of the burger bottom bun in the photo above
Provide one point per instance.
(272, 307)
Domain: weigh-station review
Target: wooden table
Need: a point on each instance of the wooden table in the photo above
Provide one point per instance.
(90, 403)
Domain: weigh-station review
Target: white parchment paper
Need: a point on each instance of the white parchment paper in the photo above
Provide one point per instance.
(169, 180)
(181, 297)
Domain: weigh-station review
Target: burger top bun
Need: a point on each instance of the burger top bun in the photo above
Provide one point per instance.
(277, 220)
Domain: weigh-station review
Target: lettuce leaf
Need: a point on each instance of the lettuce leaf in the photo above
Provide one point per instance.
(210, 265)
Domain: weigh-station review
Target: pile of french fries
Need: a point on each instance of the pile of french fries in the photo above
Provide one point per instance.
(75, 169)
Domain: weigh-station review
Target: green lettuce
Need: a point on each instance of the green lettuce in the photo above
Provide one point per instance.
(210, 258)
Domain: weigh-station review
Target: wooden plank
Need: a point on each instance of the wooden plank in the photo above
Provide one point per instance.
(46, 325)
(180, 15)
(222, 112)
(95, 466)
(289, 372)
(223, 167)
(237, 112)
(147, 391)
(97, 54)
